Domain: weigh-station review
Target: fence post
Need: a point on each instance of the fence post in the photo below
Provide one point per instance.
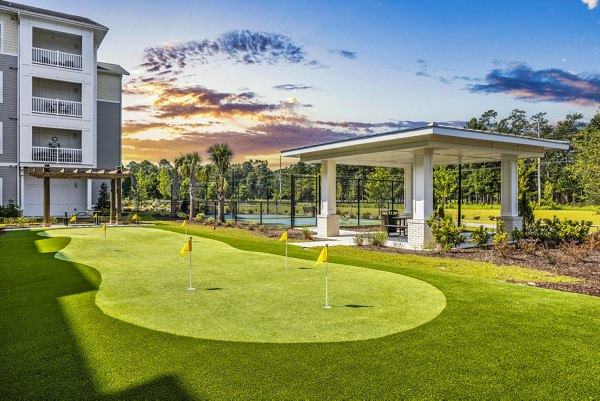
(358, 201)
(292, 200)
(392, 208)
(459, 193)
(261, 212)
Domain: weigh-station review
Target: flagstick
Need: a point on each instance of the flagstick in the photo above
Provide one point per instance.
(327, 306)
(191, 288)
(104, 239)
(286, 254)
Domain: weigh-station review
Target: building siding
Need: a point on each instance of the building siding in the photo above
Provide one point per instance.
(9, 184)
(10, 33)
(109, 140)
(109, 87)
(8, 109)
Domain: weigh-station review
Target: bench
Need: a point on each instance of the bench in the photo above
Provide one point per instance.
(395, 228)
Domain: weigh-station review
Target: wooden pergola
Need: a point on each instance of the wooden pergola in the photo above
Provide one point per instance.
(115, 177)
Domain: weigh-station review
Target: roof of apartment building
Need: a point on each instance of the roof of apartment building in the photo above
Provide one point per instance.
(109, 68)
(51, 13)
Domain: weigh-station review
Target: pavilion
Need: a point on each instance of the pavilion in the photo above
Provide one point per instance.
(417, 150)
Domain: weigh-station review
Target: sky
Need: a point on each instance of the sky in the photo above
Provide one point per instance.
(265, 76)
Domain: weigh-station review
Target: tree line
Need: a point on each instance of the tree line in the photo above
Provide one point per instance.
(569, 177)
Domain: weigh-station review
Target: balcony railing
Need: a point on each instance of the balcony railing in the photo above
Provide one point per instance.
(57, 58)
(56, 106)
(55, 155)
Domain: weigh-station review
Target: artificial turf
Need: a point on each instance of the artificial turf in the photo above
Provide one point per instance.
(493, 340)
(242, 295)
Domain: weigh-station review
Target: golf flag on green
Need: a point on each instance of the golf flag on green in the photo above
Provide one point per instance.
(322, 256)
(284, 237)
(184, 224)
(103, 228)
(73, 219)
(187, 248)
(135, 217)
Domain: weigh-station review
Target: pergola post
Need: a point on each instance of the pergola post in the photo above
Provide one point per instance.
(328, 222)
(419, 233)
(112, 201)
(509, 193)
(408, 190)
(119, 206)
(46, 199)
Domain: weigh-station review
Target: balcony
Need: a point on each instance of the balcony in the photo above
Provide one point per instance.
(55, 155)
(65, 108)
(57, 58)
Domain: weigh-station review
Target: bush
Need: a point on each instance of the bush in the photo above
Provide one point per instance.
(492, 218)
(480, 237)
(359, 239)
(199, 217)
(517, 236)
(210, 221)
(501, 244)
(445, 233)
(376, 239)
(228, 223)
(306, 233)
(366, 215)
(10, 210)
(476, 217)
(555, 231)
(252, 226)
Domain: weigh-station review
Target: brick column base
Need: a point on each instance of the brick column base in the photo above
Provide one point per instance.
(419, 234)
(328, 225)
(511, 222)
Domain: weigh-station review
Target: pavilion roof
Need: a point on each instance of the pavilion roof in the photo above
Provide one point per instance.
(77, 173)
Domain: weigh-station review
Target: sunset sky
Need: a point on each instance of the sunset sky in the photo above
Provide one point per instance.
(270, 75)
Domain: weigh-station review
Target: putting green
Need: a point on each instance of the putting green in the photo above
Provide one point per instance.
(241, 295)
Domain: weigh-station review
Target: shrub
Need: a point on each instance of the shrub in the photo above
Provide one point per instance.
(554, 232)
(492, 218)
(306, 233)
(210, 221)
(517, 236)
(10, 210)
(252, 226)
(229, 223)
(476, 217)
(480, 237)
(359, 239)
(366, 215)
(445, 233)
(376, 239)
(501, 244)
(199, 217)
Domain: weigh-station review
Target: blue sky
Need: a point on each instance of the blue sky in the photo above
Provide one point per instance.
(330, 70)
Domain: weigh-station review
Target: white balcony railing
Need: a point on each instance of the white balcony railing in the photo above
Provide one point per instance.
(56, 106)
(55, 155)
(57, 58)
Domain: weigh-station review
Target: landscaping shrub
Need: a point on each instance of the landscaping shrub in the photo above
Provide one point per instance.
(480, 237)
(376, 239)
(366, 215)
(306, 233)
(553, 232)
(252, 226)
(501, 244)
(199, 217)
(492, 218)
(229, 223)
(210, 221)
(476, 217)
(10, 210)
(445, 233)
(359, 239)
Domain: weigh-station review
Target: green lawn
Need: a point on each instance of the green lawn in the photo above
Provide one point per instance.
(144, 282)
(492, 340)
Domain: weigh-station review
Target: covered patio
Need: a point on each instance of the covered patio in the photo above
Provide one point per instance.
(417, 151)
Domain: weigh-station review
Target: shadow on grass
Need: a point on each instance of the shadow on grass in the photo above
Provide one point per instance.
(39, 355)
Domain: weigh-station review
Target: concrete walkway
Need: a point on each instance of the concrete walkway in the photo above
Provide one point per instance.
(346, 238)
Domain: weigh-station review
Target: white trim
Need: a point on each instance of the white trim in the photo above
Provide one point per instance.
(1, 36)
(1, 92)
(8, 164)
(425, 133)
(109, 101)
(9, 54)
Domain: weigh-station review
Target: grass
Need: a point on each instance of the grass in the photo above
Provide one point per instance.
(493, 340)
(254, 301)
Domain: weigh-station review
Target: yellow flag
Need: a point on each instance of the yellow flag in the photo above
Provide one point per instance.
(135, 217)
(284, 236)
(73, 219)
(322, 257)
(95, 215)
(184, 223)
(103, 228)
(187, 247)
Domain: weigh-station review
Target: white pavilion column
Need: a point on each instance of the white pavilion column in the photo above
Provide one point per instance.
(408, 189)
(328, 222)
(509, 193)
(419, 233)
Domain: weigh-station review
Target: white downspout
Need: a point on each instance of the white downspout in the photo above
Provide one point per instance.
(20, 200)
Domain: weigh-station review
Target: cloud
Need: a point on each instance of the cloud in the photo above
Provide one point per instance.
(290, 87)
(238, 47)
(344, 53)
(591, 3)
(139, 107)
(550, 85)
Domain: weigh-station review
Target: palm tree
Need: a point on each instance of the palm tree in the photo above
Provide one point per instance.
(189, 166)
(220, 156)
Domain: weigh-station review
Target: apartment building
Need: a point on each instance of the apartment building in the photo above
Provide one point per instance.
(58, 106)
